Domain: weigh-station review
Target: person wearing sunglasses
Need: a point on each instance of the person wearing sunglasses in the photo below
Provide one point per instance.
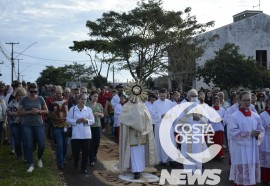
(260, 102)
(31, 108)
(245, 133)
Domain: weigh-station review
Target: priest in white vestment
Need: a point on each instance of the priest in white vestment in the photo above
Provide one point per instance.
(245, 132)
(188, 146)
(136, 147)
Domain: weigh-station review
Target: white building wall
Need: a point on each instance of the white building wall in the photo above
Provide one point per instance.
(250, 34)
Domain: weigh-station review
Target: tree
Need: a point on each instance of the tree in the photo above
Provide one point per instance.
(61, 75)
(79, 72)
(150, 83)
(139, 40)
(99, 81)
(229, 69)
(107, 59)
(53, 75)
(182, 60)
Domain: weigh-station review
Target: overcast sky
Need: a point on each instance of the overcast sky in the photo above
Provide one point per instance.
(54, 24)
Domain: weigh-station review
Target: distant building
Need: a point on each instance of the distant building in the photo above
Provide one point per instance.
(250, 31)
(245, 14)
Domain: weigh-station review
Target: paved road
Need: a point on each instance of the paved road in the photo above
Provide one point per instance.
(76, 178)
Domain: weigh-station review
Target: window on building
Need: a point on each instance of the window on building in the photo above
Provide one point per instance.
(261, 57)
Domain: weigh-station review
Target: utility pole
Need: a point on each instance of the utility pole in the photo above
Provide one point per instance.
(22, 77)
(113, 75)
(18, 78)
(12, 59)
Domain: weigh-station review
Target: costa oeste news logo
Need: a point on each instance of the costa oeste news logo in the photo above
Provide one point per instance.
(189, 131)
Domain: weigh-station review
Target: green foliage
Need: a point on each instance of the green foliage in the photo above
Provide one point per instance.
(79, 72)
(229, 69)
(150, 83)
(139, 40)
(61, 75)
(99, 81)
(182, 60)
(13, 172)
(53, 75)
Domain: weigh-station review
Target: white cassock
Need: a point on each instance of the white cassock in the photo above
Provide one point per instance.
(229, 112)
(152, 112)
(137, 157)
(245, 163)
(160, 108)
(265, 145)
(219, 126)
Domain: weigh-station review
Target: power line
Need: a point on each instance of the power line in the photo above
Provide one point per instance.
(26, 49)
(4, 51)
(38, 64)
(3, 47)
(47, 59)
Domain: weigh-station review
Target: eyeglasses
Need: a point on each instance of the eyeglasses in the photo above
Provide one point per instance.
(33, 91)
(84, 92)
(67, 92)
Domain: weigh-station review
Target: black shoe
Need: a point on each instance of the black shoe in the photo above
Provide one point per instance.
(60, 167)
(5, 142)
(137, 175)
(92, 164)
(75, 164)
(84, 171)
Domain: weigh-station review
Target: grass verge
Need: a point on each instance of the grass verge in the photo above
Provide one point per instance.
(13, 171)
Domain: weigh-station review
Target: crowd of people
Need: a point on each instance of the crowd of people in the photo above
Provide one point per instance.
(29, 115)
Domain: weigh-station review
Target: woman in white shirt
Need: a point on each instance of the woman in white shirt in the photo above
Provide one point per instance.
(3, 116)
(80, 117)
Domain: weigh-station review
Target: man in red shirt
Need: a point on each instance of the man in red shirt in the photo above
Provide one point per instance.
(103, 96)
